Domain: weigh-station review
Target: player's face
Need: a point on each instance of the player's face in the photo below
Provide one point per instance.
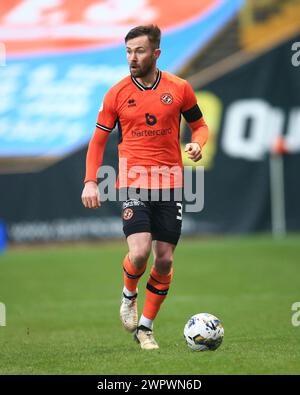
(141, 56)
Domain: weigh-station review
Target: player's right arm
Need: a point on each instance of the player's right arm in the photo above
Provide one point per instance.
(106, 121)
(90, 195)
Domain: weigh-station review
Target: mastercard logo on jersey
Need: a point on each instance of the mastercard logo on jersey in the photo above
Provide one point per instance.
(166, 98)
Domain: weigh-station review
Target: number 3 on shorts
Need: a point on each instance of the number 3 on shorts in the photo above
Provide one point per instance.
(179, 216)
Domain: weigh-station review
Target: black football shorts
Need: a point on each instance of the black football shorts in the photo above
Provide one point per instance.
(162, 218)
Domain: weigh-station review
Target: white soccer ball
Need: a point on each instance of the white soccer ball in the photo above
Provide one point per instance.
(203, 332)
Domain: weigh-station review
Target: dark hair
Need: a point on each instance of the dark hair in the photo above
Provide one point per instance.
(151, 31)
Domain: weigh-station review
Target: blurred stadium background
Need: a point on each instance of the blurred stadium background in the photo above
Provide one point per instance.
(57, 59)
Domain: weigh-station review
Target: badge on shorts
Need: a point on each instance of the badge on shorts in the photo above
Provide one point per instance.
(127, 213)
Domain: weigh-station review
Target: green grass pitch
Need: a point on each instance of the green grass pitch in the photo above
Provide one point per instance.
(62, 309)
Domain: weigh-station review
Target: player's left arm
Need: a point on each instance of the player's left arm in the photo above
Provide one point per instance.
(199, 138)
(195, 120)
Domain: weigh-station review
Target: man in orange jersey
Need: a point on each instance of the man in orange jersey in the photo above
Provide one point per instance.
(146, 106)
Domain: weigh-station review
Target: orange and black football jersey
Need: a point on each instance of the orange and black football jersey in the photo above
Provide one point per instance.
(148, 120)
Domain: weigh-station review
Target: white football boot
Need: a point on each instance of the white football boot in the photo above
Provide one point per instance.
(129, 312)
(145, 337)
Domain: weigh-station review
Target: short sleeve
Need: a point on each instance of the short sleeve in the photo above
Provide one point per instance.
(107, 116)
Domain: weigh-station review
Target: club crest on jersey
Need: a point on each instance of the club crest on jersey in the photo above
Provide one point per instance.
(166, 98)
(127, 213)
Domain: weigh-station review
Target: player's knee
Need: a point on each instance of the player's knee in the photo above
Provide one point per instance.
(139, 257)
(163, 264)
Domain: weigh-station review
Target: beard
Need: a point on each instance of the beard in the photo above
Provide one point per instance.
(142, 71)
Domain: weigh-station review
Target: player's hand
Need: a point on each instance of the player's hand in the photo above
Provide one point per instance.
(193, 151)
(90, 195)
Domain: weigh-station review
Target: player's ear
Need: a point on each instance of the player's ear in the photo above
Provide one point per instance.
(157, 53)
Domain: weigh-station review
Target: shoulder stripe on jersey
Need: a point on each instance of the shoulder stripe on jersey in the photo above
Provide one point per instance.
(98, 125)
(144, 88)
(193, 114)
